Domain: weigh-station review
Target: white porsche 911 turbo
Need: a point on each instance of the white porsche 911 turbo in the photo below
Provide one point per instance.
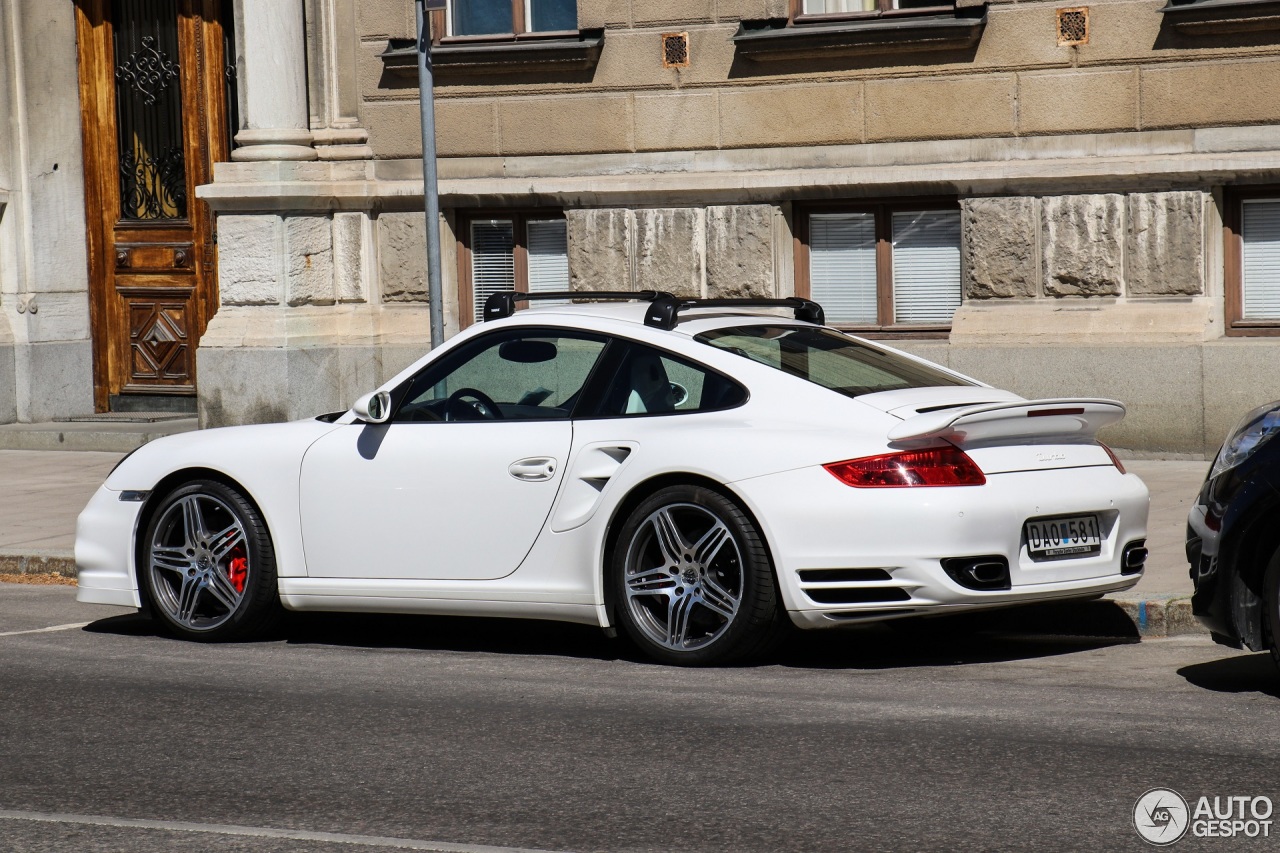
(700, 473)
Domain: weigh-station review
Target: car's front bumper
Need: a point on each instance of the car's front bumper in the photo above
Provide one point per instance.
(897, 539)
(104, 550)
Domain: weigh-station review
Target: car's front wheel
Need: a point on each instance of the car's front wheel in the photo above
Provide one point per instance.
(693, 584)
(208, 566)
(1271, 601)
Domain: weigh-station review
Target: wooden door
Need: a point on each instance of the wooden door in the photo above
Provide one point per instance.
(155, 89)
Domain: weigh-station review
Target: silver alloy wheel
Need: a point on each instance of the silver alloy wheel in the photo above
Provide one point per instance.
(683, 577)
(198, 562)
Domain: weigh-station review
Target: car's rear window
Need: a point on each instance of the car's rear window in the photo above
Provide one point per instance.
(827, 358)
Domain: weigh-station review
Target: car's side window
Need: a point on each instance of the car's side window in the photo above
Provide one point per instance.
(649, 381)
(520, 375)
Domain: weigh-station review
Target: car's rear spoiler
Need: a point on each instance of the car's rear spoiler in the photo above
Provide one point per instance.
(1073, 419)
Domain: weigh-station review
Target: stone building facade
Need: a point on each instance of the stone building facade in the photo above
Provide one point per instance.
(1057, 200)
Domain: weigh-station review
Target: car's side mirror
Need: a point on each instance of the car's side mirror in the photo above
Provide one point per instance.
(373, 408)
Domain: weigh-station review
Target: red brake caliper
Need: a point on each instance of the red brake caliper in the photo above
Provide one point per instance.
(238, 568)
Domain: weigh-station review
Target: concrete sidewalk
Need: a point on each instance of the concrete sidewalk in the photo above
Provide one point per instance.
(44, 491)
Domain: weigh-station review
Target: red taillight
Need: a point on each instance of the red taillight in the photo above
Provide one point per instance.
(1115, 460)
(934, 466)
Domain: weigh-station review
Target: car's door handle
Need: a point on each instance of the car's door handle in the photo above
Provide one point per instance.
(534, 469)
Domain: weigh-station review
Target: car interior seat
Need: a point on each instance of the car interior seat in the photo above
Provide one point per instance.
(650, 389)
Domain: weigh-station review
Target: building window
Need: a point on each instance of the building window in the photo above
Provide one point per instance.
(501, 36)
(1253, 261)
(527, 252)
(511, 17)
(1260, 260)
(814, 11)
(854, 28)
(893, 268)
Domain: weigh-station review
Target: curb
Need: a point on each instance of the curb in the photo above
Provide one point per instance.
(36, 562)
(119, 437)
(102, 442)
(1161, 616)
(1151, 617)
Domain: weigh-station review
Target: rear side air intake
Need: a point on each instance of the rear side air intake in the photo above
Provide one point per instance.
(851, 586)
(854, 595)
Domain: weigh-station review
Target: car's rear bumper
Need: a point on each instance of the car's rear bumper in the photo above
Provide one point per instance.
(831, 617)
(891, 543)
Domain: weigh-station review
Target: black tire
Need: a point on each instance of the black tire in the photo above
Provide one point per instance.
(693, 606)
(1271, 605)
(207, 565)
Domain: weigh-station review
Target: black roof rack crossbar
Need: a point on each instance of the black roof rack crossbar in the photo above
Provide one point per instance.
(503, 304)
(663, 312)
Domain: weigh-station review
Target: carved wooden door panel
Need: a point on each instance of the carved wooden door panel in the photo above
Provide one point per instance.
(155, 86)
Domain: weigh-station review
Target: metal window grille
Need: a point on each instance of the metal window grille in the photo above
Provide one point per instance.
(1073, 26)
(675, 50)
(153, 173)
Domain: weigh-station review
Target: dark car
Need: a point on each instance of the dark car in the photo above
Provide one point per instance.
(1233, 537)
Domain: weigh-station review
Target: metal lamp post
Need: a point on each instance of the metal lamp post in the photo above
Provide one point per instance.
(430, 186)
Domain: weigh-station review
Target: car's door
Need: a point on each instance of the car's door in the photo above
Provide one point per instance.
(458, 484)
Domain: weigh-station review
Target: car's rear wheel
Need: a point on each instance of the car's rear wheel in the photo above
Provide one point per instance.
(693, 584)
(208, 565)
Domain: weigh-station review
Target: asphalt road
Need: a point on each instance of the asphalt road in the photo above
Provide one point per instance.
(446, 734)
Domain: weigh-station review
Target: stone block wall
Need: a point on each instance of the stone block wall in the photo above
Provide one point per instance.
(46, 362)
(1101, 245)
(402, 240)
(1081, 248)
(273, 259)
(1165, 243)
(317, 308)
(721, 251)
(8, 374)
(1135, 73)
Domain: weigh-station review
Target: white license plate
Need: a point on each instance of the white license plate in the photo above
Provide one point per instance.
(1066, 536)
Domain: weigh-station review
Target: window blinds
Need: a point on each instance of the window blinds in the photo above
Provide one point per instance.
(1260, 274)
(842, 265)
(492, 260)
(829, 7)
(926, 265)
(548, 256)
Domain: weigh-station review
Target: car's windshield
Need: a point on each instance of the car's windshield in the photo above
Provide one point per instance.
(827, 358)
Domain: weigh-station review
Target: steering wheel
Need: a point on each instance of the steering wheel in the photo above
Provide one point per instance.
(487, 409)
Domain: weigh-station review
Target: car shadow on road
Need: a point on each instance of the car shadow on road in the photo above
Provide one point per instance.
(1236, 674)
(890, 647)
(975, 637)
(452, 634)
(971, 638)
(126, 625)
(411, 633)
